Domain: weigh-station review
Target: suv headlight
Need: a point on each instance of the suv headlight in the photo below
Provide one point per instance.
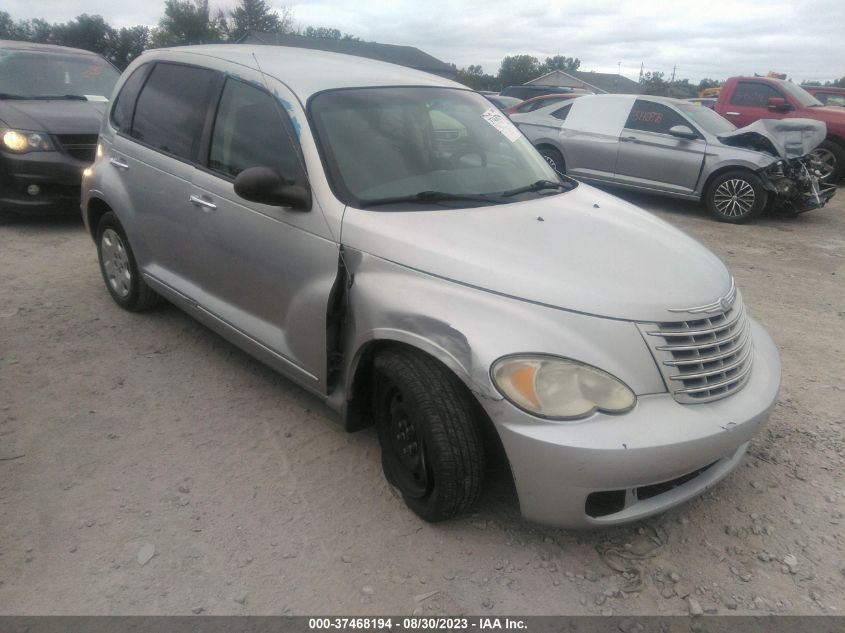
(559, 388)
(22, 141)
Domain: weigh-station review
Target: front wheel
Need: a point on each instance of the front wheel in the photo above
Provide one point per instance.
(431, 445)
(736, 197)
(831, 161)
(119, 269)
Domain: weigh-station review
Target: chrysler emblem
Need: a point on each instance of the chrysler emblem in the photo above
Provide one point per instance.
(722, 304)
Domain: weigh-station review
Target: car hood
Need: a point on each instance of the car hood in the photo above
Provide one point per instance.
(583, 250)
(786, 138)
(56, 116)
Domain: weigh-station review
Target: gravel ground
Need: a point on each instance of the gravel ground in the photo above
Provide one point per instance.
(149, 467)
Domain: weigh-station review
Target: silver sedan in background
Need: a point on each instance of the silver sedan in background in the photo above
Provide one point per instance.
(674, 147)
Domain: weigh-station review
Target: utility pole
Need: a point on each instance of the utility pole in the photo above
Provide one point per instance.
(641, 71)
(673, 74)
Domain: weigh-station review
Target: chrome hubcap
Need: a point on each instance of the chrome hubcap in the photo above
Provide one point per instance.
(734, 198)
(115, 263)
(826, 160)
(551, 162)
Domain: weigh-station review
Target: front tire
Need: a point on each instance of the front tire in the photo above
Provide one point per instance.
(831, 157)
(736, 197)
(431, 445)
(119, 269)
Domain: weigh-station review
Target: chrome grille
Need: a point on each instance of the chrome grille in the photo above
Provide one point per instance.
(706, 358)
(81, 146)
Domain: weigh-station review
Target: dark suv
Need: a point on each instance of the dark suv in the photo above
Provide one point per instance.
(52, 101)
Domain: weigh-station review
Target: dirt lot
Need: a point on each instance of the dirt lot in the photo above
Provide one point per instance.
(120, 433)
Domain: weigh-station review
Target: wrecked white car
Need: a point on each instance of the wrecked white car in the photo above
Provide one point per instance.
(678, 148)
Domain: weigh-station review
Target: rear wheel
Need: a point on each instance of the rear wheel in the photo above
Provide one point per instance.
(736, 197)
(554, 158)
(119, 269)
(431, 445)
(831, 158)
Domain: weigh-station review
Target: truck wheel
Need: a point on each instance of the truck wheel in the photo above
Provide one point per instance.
(554, 158)
(120, 272)
(832, 159)
(431, 446)
(736, 197)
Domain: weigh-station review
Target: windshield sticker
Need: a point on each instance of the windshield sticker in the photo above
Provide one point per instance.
(501, 123)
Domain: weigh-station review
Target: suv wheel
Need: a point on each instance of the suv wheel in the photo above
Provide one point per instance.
(554, 158)
(431, 445)
(120, 272)
(832, 161)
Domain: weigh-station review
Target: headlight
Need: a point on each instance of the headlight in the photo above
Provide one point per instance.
(21, 141)
(560, 389)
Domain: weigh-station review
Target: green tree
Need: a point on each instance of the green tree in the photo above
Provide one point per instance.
(560, 62)
(127, 44)
(329, 33)
(85, 31)
(187, 22)
(517, 69)
(654, 84)
(708, 83)
(12, 30)
(257, 15)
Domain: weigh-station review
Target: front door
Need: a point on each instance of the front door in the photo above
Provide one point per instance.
(266, 271)
(750, 102)
(651, 158)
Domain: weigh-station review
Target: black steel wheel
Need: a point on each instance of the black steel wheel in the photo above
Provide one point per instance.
(431, 444)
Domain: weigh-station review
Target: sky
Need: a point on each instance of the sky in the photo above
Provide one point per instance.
(701, 38)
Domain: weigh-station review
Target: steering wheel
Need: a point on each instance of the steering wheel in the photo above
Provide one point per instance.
(459, 153)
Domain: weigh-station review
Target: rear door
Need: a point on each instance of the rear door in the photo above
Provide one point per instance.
(153, 154)
(590, 133)
(265, 271)
(651, 158)
(749, 103)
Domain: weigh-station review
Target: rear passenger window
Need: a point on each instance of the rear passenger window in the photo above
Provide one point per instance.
(648, 116)
(172, 107)
(251, 130)
(124, 105)
(753, 94)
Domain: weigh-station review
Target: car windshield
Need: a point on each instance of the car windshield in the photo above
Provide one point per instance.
(800, 95)
(707, 119)
(383, 144)
(34, 74)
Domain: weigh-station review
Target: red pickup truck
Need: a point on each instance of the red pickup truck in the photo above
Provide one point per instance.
(744, 100)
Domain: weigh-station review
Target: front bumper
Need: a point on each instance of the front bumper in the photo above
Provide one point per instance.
(57, 175)
(558, 466)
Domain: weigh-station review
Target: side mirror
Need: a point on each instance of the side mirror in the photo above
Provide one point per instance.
(683, 131)
(267, 186)
(778, 104)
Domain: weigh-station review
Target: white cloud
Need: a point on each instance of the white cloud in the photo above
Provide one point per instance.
(717, 38)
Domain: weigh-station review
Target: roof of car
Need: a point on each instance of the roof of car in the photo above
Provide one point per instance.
(307, 71)
(15, 45)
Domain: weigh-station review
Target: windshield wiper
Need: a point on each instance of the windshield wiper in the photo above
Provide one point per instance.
(429, 196)
(67, 97)
(537, 186)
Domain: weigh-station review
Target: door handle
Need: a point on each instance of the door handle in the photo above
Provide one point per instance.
(732, 113)
(200, 202)
(119, 163)
(633, 139)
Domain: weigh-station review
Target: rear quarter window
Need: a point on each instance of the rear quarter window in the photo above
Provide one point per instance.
(124, 104)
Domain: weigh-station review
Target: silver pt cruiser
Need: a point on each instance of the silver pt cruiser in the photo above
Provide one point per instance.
(393, 244)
